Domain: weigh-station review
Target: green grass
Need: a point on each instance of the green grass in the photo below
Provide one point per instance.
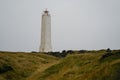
(85, 66)
(19, 65)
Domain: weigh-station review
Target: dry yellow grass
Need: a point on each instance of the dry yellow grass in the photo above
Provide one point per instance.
(87, 66)
(84, 67)
(23, 64)
(37, 73)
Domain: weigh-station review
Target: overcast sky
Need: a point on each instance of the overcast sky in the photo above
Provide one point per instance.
(76, 24)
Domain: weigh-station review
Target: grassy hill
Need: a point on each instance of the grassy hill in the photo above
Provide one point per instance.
(93, 65)
(20, 65)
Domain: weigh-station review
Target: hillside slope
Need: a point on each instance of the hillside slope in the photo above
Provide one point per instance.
(96, 65)
(89, 66)
(20, 65)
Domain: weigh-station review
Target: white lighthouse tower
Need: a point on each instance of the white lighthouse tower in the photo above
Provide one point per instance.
(46, 33)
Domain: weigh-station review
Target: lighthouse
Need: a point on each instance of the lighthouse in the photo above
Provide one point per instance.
(45, 45)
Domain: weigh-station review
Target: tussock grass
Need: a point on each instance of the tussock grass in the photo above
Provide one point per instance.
(85, 67)
(20, 65)
(90, 65)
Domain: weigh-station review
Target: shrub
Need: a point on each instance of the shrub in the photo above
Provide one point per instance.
(106, 55)
(5, 68)
(108, 50)
(82, 51)
(110, 56)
